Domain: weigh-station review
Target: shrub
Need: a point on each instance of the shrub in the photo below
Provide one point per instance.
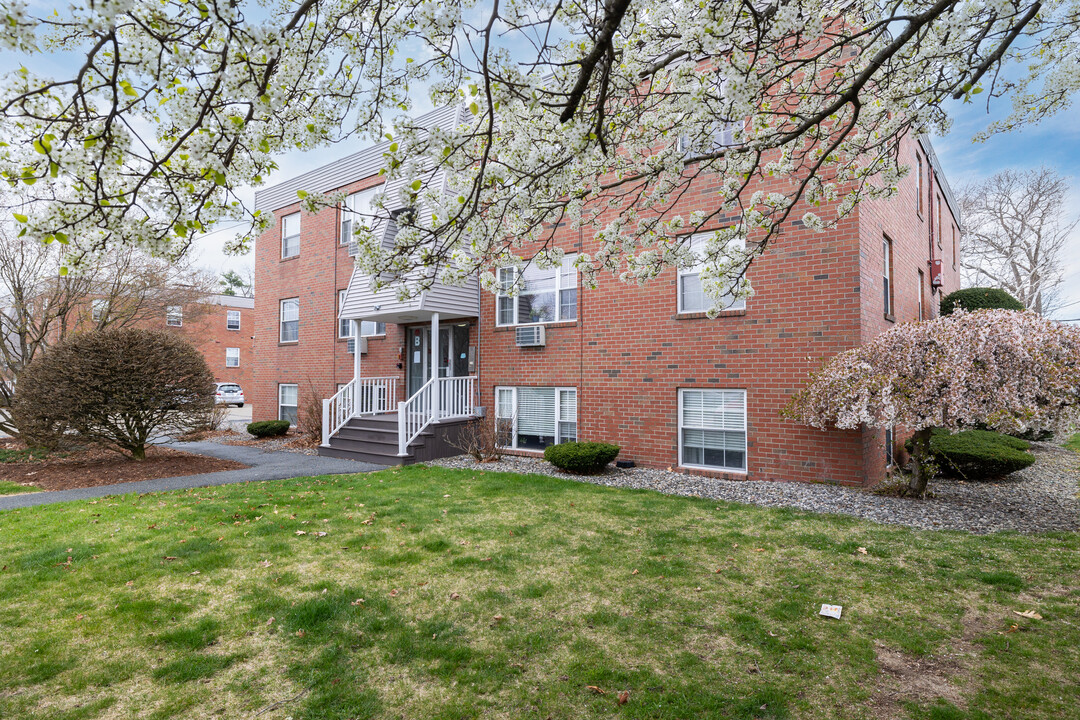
(480, 439)
(978, 454)
(582, 458)
(118, 388)
(268, 428)
(979, 298)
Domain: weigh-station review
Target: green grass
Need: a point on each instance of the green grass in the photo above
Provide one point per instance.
(11, 488)
(1073, 443)
(502, 596)
(10, 455)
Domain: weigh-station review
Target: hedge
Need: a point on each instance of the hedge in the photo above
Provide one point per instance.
(268, 428)
(978, 454)
(979, 298)
(581, 458)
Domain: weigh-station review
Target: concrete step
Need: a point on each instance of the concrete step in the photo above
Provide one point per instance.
(375, 458)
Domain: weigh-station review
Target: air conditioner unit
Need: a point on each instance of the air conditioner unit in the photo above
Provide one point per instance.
(363, 345)
(351, 345)
(531, 336)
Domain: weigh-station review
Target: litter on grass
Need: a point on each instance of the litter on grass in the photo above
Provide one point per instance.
(832, 611)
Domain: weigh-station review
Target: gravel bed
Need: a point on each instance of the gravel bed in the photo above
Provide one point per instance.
(1044, 497)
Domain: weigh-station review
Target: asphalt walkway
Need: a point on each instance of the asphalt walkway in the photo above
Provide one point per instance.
(264, 465)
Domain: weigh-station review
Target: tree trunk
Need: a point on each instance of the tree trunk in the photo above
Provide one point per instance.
(138, 453)
(920, 456)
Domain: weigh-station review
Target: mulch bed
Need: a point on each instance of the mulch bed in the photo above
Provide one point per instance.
(92, 467)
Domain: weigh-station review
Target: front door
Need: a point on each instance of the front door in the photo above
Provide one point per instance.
(453, 353)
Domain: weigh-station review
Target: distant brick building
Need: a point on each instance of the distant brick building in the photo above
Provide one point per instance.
(642, 367)
(224, 331)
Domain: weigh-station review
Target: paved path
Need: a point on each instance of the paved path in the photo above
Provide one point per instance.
(264, 466)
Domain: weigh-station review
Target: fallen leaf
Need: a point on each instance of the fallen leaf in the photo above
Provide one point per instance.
(265, 563)
(300, 633)
(861, 551)
(394, 592)
(1012, 628)
(320, 534)
(130, 583)
(221, 538)
(759, 549)
(624, 696)
(301, 532)
(170, 557)
(454, 596)
(79, 617)
(596, 690)
(270, 622)
(357, 601)
(196, 573)
(1030, 614)
(635, 572)
(497, 619)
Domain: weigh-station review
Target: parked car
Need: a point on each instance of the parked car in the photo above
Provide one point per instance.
(230, 394)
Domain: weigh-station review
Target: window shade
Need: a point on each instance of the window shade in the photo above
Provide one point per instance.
(714, 409)
(536, 411)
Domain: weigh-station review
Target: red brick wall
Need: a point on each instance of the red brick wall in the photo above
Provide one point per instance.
(208, 332)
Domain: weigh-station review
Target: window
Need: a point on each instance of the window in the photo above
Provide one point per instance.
(712, 429)
(890, 441)
(692, 296)
(289, 314)
(174, 316)
(99, 309)
(918, 183)
(367, 327)
(287, 402)
(290, 235)
(725, 134)
(232, 320)
(922, 297)
(531, 418)
(356, 211)
(939, 221)
(955, 252)
(886, 250)
(232, 357)
(543, 295)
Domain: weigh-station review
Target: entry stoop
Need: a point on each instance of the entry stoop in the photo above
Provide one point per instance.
(374, 439)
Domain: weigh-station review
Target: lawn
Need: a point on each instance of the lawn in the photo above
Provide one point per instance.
(429, 593)
(1073, 443)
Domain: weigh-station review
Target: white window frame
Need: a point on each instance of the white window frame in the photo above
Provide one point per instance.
(564, 275)
(281, 404)
(745, 431)
(888, 288)
(558, 434)
(282, 320)
(285, 239)
(890, 447)
(232, 353)
(918, 183)
(229, 315)
(356, 208)
(696, 241)
(174, 315)
(99, 308)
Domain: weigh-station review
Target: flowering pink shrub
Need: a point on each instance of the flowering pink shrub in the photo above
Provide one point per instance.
(1010, 371)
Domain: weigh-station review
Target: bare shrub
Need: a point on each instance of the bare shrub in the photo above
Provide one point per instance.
(118, 388)
(310, 414)
(480, 439)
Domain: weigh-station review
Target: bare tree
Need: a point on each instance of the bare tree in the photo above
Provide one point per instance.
(39, 307)
(1015, 226)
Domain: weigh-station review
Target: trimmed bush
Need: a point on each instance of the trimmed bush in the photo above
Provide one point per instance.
(122, 389)
(979, 298)
(268, 428)
(978, 454)
(581, 458)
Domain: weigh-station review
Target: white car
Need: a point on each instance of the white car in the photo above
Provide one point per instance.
(230, 394)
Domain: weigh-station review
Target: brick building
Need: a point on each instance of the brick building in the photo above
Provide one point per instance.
(642, 367)
(220, 326)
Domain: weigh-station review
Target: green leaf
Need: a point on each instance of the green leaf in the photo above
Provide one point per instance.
(63, 271)
(301, 194)
(89, 143)
(20, 217)
(62, 237)
(416, 185)
(54, 170)
(393, 147)
(128, 90)
(474, 109)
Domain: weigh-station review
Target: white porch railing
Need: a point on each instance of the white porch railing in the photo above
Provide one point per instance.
(375, 395)
(337, 410)
(358, 397)
(438, 399)
(456, 397)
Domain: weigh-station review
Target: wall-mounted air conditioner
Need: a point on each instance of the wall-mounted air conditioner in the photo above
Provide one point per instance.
(352, 346)
(531, 336)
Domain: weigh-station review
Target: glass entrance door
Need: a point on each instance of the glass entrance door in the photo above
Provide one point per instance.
(453, 354)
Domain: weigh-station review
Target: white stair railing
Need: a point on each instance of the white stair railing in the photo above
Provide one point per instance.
(375, 395)
(337, 410)
(414, 415)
